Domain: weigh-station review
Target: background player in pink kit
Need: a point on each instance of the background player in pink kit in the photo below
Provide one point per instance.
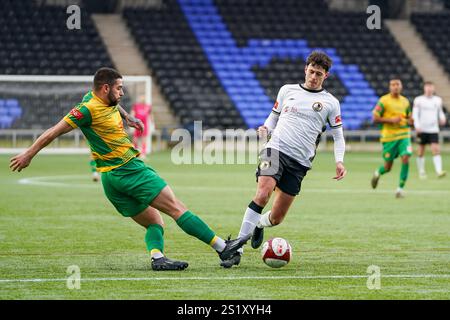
(142, 111)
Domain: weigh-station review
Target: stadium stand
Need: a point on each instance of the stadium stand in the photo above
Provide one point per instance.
(181, 67)
(248, 49)
(219, 61)
(10, 110)
(35, 41)
(434, 28)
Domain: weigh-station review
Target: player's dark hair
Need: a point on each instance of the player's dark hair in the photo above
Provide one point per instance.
(395, 78)
(321, 59)
(105, 76)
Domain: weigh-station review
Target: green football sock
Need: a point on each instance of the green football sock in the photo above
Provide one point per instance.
(382, 170)
(154, 238)
(194, 226)
(404, 174)
(93, 166)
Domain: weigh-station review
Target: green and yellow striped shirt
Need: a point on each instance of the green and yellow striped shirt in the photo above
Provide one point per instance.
(391, 107)
(103, 128)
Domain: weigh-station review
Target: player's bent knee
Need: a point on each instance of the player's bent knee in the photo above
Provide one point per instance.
(176, 209)
(167, 202)
(147, 217)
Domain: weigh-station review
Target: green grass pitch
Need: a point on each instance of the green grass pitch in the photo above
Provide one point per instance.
(52, 216)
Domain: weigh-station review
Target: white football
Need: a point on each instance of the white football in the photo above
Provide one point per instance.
(276, 252)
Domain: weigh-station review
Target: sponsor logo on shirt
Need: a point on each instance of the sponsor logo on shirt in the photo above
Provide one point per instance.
(306, 114)
(338, 119)
(76, 113)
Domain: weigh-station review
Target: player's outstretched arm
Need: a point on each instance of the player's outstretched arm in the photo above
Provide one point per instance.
(23, 160)
(131, 120)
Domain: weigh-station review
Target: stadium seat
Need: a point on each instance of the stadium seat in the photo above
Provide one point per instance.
(435, 31)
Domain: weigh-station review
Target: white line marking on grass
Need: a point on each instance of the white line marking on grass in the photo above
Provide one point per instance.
(324, 277)
(47, 181)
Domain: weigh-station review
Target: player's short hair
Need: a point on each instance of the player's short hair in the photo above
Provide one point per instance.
(321, 59)
(431, 83)
(105, 76)
(395, 78)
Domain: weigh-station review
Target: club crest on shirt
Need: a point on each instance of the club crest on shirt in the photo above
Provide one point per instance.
(264, 165)
(317, 106)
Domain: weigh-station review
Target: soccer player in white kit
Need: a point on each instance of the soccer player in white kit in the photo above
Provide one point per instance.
(298, 119)
(428, 115)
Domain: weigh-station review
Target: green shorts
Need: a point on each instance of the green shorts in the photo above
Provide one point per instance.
(394, 149)
(132, 187)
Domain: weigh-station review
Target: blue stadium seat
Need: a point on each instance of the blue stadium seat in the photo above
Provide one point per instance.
(5, 121)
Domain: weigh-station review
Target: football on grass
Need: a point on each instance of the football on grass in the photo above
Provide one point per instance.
(276, 252)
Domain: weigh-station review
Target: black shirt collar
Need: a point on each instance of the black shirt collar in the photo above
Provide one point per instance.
(310, 90)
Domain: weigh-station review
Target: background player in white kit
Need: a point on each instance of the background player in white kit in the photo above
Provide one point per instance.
(428, 115)
(299, 117)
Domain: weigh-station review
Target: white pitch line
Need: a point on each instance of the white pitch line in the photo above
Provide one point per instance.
(401, 276)
(47, 181)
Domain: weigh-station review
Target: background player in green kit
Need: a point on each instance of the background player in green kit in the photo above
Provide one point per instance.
(134, 189)
(393, 113)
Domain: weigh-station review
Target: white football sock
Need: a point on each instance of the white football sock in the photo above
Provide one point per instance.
(421, 165)
(218, 244)
(156, 254)
(249, 222)
(437, 160)
(264, 221)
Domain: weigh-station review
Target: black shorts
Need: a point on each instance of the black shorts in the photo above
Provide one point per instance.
(285, 170)
(427, 138)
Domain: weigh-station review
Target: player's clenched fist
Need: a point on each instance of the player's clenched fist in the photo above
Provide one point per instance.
(19, 162)
(262, 132)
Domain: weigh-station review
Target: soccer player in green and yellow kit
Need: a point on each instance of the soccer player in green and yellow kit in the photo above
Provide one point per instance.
(134, 189)
(393, 113)
(93, 166)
